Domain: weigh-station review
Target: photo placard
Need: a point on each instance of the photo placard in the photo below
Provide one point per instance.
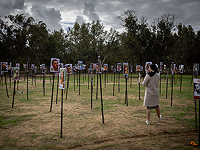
(16, 74)
(137, 68)
(43, 68)
(147, 65)
(62, 78)
(18, 65)
(105, 67)
(68, 68)
(196, 68)
(4, 67)
(119, 67)
(54, 66)
(125, 69)
(74, 70)
(80, 65)
(196, 88)
(32, 66)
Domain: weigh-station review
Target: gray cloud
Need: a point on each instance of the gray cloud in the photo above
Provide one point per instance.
(89, 11)
(54, 12)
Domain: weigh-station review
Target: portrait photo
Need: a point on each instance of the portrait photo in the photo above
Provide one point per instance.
(18, 65)
(54, 65)
(68, 68)
(105, 67)
(74, 70)
(119, 67)
(16, 74)
(97, 68)
(43, 68)
(147, 65)
(137, 68)
(62, 78)
(80, 65)
(196, 88)
(125, 69)
(4, 67)
(141, 68)
(99, 63)
(173, 68)
(161, 66)
(32, 66)
(196, 68)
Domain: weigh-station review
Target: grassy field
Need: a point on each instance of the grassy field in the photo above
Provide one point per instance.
(31, 125)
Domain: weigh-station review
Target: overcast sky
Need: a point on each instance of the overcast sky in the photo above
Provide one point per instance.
(63, 13)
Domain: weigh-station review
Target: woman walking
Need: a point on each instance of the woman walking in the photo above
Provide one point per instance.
(151, 98)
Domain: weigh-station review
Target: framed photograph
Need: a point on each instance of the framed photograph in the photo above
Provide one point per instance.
(119, 67)
(43, 68)
(165, 67)
(12, 71)
(125, 69)
(62, 78)
(84, 67)
(137, 68)
(54, 66)
(182, 67)
(74, 70)
(147, 65)
(99, 64)
(24, 66)
(173, 67)
(196, 88)
(161, 66)
(32, 66)
(97, 68)
(131, 68)
(112, 68)
(68, 68)
(16, 73)
(18, 65)
(141, 68)
(105, 67)
(4, 67)
(35, 69)
(61, 65)
(196, 68)
(80, 65)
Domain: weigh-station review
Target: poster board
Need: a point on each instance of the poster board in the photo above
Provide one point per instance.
(119, 66)
(62, 75)
(196, 68)
(196, 89)
(147, 65)
(68, 68)
(16, 75)
(32, 66)
(80, 65)
(125, 69)
(105, 67)
(137, 68)
(54, 66)
(4, 67)
(74, 70)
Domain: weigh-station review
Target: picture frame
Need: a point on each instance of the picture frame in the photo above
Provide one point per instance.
(16, 74)
(119, 67)
(125, 69)
(54, 65)
(4, 67)
(68, 68)
(147, 65)
(196, 89)
(62, 77)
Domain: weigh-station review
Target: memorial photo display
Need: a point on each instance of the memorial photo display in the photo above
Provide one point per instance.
(54, 66)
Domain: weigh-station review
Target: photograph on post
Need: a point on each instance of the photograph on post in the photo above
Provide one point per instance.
(165, 67)
(12, 71)
(182, 67)
(137, 68)
(62, 78)
(196, 88)
(68, 68)
(99, 63)
(35, 69)
(80, 65)
(43, 68)
(18, 65)
(161, 66)
(173, 67)
(24, 67)
(196, 68)
(74, 70)
(54, 66)
(16, 74)
(4, 67)
(112, 68)
(61, 65)
(125, 69)
(119, 67)
(84, 67)
(147, 65)
(32, 66)
(131, 68)
(105, 67)
(141, 68)
(97, 68)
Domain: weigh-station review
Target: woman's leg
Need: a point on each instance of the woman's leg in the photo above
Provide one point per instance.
(158, 112)
(148, 114)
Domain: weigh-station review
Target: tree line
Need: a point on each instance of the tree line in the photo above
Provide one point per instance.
(23, 39)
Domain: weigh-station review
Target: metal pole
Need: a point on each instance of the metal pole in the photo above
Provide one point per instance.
(52, 93)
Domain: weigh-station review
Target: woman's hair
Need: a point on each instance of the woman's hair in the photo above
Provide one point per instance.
(154, 68)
